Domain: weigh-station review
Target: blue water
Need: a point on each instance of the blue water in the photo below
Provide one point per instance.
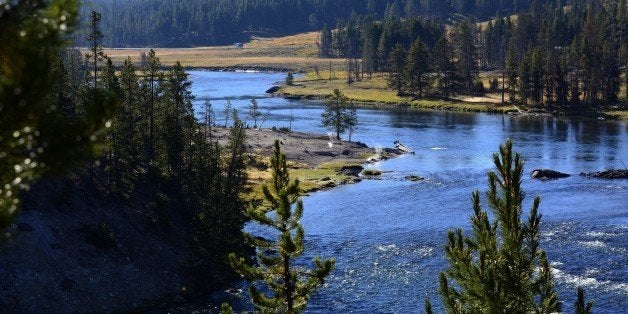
(388, 235)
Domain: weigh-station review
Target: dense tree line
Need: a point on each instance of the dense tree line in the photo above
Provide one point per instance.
(156, 151)
(206, 22)
(554, 55)
(570, 57)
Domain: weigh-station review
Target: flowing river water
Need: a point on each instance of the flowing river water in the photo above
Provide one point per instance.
(388, 235)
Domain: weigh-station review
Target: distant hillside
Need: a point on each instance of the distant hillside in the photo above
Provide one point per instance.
(166, 23)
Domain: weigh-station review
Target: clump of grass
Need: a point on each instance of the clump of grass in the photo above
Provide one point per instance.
(371, 173)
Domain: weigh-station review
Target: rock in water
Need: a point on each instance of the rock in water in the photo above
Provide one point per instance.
(414, 178)
(608, 174)
(273, 89)
(547, 174)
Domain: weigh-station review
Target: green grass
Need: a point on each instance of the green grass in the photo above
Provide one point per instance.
(310, 179)
(376, 91)
(618, 114)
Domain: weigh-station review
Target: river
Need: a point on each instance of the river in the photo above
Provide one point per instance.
(388, 235)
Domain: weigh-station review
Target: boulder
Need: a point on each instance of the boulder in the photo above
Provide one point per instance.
(414, 178)
(272, 90)
(547, 174)
(608, 174)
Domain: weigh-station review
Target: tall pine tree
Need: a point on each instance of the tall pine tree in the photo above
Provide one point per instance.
(500, 267)
(290, 286)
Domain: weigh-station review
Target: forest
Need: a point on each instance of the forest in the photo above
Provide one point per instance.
(162, 23)
(570, 58)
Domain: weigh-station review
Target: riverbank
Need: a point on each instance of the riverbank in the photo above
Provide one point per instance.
(375, 92)
(317, 160)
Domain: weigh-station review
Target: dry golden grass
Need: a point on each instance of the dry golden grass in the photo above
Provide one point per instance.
(297, 52)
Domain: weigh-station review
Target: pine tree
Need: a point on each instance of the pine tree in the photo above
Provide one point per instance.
(369, 47)
(582, 307)
(417, 68)
(525, 80)
(152, 76)
(467, 54)
(446, 74)
(95, 39)
(227, 111)
(499, 268)
(338, 115)
(325, 42)
(254, 112)
(511, 74)
(177, 128)
(127, 130)
(290, 286)
(397, 62)
(536, 76)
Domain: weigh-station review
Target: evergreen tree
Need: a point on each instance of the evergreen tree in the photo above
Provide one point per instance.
(95, 39)
(254, 112)
(152, 76)
(227, 111)
(338, 115)
(370, 38)
(467, 54)
(179, 114)
(536, 76)
(417, 68)
(499, 267)
(525, 79)
(397, 63)
(582, 307)
(325, 42)
(446, 73)
(126, 129)
(290, 286)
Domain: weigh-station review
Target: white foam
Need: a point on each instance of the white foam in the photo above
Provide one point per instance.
(385, 248)
(589, 282)
(598, 234)
(593, 244)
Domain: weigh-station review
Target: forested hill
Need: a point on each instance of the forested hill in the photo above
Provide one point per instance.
(166, 23)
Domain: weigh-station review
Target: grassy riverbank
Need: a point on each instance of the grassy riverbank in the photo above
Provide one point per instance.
(375, 91)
